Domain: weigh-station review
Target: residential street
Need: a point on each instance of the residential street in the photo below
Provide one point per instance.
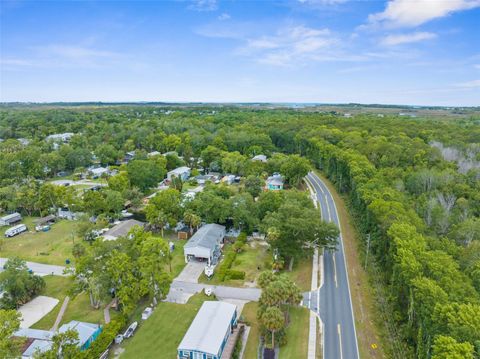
(332, 300)
(39, 268)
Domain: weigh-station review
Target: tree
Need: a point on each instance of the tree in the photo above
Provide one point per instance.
(233, 162)
(448, 348)
(191, 220)
(209, 155)
(64, 346)
(272, 318)
(9, 324)
(107, 154)
(295, 168)
(119, 182)
(254, 185)
(18, 283)
(145, 174)
(169, 202)
(156, 217)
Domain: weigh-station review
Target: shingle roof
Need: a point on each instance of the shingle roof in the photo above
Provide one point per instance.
(208, 329)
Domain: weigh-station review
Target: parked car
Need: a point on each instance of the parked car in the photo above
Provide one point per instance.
(147, 313)
(119, 339)
(130, 330)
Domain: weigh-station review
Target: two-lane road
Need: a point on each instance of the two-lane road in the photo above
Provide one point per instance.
(336, 312)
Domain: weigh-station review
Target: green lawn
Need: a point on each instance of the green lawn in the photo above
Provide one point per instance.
(159, 336)
(297, 334)
(78, 308)
(52, 247)
(301, 273)
(249, 314)
(252, 260)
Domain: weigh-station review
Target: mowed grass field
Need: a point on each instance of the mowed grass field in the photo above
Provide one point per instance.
(159, 336)
(78, 308)
(52, 247)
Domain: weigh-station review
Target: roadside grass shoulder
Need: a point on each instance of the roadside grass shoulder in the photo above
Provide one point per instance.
(249, 314)
(297, 334)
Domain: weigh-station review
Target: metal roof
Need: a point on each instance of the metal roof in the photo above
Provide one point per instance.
(208, 329)
(11, 216)
(179, 170)
(85, 330)
(121, 229)
(208, 236)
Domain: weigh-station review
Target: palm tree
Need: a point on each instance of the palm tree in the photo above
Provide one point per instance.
(274, 320)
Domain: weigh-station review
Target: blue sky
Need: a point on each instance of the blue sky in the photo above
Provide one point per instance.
(423, 52)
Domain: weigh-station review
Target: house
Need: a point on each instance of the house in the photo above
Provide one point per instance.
(65, 213)
(181, 172)
(87, 332)
(275, 182)
(35, 340)
(129, 156)
(260, 158)
(98, 172)
(205, 244)
(207, 335)
(121, 229)
(10, 219)
(228, 179)
(60, 137)
(202, 179)
(41, 340)
(153, 153)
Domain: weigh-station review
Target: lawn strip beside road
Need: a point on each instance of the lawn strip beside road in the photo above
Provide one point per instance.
(249, 314)
(361, 291)
(159, 336)
(297, 334)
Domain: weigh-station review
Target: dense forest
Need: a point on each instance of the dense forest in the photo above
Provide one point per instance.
(413, 186)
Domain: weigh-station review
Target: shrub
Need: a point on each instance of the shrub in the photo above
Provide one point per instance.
(234, 274)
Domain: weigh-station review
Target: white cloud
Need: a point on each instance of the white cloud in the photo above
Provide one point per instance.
(224, 17)
(399, 39)
(408, 13)
(203, 5)
(291, 45)
(474, 84)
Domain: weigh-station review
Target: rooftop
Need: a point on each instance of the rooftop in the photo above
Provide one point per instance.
(207, 236)
(208, 329)
(179, 170)
(10, 216)
(85, 330)
(121, 229)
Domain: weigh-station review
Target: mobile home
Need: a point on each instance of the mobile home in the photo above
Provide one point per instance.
(13, 231)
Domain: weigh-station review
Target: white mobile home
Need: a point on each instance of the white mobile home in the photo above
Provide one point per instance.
(10, 219)
(205, 244)
(13, 231)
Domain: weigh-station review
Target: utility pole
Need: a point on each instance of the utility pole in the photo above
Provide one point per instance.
(368, 250)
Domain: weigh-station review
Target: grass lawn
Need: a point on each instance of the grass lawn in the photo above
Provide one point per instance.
(78, 308)
(52, 247)
(301, 273)
(249, 314)
(297, 335)
(253, 260)
(159, 336)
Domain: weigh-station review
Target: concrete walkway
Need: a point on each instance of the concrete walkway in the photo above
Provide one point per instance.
(39, 268)
(312, 334)
(60, 314)
(106, 311)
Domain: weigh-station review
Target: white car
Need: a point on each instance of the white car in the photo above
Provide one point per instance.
(147, 313)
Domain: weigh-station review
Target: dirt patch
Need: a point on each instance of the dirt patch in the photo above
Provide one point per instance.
(368, 335)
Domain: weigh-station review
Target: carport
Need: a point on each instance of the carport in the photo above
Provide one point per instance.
(205, 244)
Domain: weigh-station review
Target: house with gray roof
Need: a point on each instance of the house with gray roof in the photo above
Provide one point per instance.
(207, 335)
(205, 244)
(275, 182)
(121, 229)
(10, 219)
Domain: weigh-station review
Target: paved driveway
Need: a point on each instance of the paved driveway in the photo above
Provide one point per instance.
(36, 309)
(191, 272)
(39, 268)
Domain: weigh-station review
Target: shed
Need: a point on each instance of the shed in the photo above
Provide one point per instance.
(10, 219)
(121, 229)
(207, 335)
(45, 220)
(205, 243)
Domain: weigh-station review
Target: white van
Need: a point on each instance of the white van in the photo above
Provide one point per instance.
(13, 231)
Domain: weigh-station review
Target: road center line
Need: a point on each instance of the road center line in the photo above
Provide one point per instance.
(340, 340)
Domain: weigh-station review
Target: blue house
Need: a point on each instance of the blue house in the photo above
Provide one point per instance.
(207, 335)
(275, 182)
(87, 332)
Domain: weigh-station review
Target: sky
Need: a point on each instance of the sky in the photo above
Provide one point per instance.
(412, 52)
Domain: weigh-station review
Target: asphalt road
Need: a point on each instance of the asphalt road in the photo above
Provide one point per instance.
(332, 301)
(39, 268)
